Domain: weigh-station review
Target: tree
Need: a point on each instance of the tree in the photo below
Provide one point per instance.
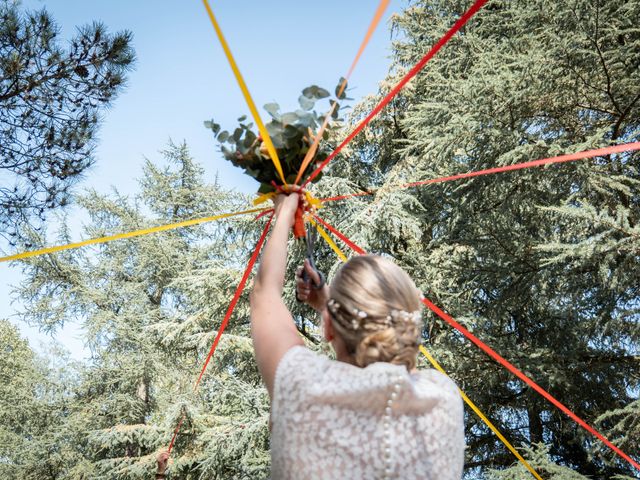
(150, 307)
(541, 264)
(37, 434)
(50, 103)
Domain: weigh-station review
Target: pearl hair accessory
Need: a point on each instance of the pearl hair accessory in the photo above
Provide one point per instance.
(394, 317)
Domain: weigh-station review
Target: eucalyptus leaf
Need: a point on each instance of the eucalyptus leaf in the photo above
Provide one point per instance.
(224, 135)
(278, 140)
(289, 118)
(291, 132)
(336, 110)
(249, 138)
(212, 125)
(242, 118)
(274, 128)
(343, 95)
(273, 109)
(306, 103)
(265, 188)
(315, 92)
(305, 118)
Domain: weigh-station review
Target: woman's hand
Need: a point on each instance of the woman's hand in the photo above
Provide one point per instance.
(162, 460)
(316, 299)
(286, 206)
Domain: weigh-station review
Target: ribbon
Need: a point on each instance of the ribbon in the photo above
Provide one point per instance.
(227, 317)
(382, 6)
(482, 416)
(329, 240)
(569, 157)
(504, 362)
(424, 351)
(273, 154)
(234, 300)
(412, 73)
(119, 236)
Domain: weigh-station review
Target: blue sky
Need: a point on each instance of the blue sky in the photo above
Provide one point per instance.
(182, 78)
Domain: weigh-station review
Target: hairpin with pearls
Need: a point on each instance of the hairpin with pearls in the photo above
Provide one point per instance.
(394, 317)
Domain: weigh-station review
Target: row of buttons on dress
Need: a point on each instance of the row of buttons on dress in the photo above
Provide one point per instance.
(388, 469)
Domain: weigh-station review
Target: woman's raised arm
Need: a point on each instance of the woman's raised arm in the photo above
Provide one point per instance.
(272, 327)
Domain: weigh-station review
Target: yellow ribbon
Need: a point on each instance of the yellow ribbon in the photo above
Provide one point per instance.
(120, 236)
(311, 200)
(478, 412)
(265, 197)
(437, 366)
(247, 96)
(329, 240)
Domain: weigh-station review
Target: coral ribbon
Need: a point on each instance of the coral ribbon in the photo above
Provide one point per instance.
(382, 6)
(234, 300)
(412, 73)
(569, 157)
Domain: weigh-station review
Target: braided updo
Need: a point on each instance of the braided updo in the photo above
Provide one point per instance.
(367, 296)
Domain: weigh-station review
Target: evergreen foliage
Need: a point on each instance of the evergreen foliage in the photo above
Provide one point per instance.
(148, 307)
(50, 103)
(37, 431)
(541, 264)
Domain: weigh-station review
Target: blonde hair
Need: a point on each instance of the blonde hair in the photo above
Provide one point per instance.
(365, 293)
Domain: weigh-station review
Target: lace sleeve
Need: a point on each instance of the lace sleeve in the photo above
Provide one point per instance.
(294, 372)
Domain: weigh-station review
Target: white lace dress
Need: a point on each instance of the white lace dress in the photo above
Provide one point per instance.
(332, 420)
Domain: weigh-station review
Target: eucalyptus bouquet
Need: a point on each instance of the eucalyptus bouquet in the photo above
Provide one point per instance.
(292, 134)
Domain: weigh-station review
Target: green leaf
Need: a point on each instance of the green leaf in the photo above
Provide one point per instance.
(273, 110)
(315, 92)
(224, 135)
(343, 95)
(249, 138)
(237, 134)
(306, 103)
(306, 119)
(291, 132)
(336, 111)
(289, 118)
(212, 125)
(291, 178)
(242, 118)
(274, 128)
(266, 188)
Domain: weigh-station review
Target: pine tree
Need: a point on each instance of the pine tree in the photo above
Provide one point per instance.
(541, 264)
(150, 307)
(50, 103)
(37, 435)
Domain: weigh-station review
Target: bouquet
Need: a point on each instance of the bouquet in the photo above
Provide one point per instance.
(292, 134)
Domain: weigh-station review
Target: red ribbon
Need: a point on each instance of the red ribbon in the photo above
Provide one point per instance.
(501, 360)
(570, 157)
(227, 317)
(412, 73)
(234, 300)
